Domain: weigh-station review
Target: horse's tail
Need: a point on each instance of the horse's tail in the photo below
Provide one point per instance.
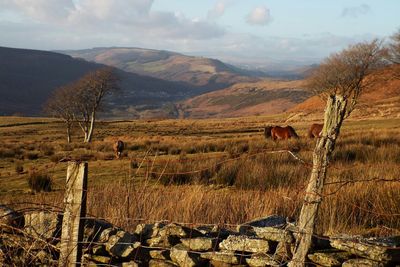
(310, 133)
(119, 145)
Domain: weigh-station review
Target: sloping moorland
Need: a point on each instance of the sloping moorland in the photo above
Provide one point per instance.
(238, 181)
(246, 99)
(380, 99)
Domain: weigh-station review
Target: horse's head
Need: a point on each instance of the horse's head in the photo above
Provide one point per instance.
(267, 131)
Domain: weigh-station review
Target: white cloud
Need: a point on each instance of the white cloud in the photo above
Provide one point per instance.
(178, 26)
(218, 10)
(41, 10)
(259, 16)
(271, 49)
(110, 19)
(113, 10)
(356, 11)
(72, 24)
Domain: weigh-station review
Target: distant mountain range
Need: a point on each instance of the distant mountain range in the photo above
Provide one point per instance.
(162, 84)
(198, 71)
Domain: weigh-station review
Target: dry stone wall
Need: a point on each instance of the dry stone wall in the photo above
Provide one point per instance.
(32, 238)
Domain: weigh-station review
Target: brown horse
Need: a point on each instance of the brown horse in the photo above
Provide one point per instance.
(315, 130)
(118, 147)
(277, 132)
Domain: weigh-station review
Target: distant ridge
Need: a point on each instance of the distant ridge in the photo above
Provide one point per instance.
(198, 71)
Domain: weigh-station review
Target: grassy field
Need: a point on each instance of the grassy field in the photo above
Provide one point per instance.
(209, 171)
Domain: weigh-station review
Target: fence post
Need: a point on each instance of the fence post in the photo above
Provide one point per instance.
(334, 116)
(74, 209)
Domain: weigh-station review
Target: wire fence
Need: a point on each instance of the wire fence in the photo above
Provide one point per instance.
(26, 207)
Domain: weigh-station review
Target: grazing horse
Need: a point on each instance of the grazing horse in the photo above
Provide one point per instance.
(315, 130)
(118, 147)
(277, 132)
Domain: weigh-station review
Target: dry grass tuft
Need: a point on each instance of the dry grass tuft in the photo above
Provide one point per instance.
(212, 171)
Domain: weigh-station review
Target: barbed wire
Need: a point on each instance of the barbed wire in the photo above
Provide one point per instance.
(180, 160)
(340, 184)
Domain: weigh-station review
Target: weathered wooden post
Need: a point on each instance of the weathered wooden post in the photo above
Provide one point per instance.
(334, 116)
(341, 78)
(74, 210)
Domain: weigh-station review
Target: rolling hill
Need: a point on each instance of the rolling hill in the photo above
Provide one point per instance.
(196, 87)
(29, 76)
(246, 99)
(380, 99)
(208, 73)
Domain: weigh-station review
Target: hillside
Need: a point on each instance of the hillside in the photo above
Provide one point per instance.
(244, 99)
(29, 76)
(205, 72)
(380, 99)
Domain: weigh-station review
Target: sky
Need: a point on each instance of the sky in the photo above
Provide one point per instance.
(251, 31)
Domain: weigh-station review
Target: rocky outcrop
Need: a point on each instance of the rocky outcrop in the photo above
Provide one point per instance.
(267, 241)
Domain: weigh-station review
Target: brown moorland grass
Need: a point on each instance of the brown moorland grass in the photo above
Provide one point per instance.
(158, 179)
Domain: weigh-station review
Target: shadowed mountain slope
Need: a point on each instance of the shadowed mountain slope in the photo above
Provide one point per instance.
(29, 76)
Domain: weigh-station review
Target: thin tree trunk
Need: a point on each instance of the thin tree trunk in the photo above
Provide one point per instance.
(91, 128)
(84, 128)
(334, 116)
(68, 133)
(85, 137)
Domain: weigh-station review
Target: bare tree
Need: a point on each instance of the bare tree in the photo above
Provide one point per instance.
(394, 54)
(90, 91)
(59, 105)
(341, 79)
(394, 48)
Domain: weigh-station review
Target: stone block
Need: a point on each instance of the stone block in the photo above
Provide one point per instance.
(329, 257)
(376, 249)
(43, 224)
(122, 244)
(200, 243)
(228, 257)
(183, 257)
(261, 260)
(244, 243)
